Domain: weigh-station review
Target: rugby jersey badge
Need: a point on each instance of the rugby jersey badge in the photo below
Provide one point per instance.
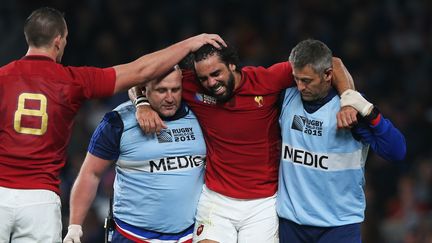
(200, 229)
(206, 99)
(259, 100)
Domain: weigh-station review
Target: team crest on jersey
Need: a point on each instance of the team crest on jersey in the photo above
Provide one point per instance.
(308, 126)
(259, 100)
(206, 99)
(176, 135)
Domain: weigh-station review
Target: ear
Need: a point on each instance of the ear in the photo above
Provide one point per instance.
(56, 42)
(232, 67)
(328, 74)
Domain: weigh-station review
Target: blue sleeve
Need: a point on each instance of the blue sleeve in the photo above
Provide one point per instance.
(384, 139)
(105, 141)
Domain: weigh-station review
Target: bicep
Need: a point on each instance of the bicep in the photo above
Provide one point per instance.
(94, 166)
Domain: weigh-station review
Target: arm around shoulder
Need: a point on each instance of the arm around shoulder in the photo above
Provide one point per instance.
(153, 65)
(342, 79)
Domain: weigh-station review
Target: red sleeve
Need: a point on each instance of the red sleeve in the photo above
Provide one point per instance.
(96, 82)
(189, 81)
(273, 79)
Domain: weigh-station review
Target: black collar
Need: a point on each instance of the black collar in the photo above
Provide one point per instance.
(312, 106)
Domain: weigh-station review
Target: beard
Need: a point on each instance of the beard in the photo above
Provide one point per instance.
(229, 90)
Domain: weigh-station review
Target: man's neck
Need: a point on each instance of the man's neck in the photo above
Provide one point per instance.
(237, 79)
(41, 52)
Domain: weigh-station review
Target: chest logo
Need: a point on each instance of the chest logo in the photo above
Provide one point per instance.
(307, 126)
(206, 99)
(259, 100)
(176, 135)
(165, 136)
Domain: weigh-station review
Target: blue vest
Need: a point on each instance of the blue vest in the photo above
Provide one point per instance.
(321, 175)
(159, 177)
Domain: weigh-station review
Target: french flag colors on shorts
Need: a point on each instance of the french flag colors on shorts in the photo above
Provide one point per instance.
(144, 236)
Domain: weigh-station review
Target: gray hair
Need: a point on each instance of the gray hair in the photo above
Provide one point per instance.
(311, 52)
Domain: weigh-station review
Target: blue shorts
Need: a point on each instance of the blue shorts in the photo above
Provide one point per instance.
(290, 232)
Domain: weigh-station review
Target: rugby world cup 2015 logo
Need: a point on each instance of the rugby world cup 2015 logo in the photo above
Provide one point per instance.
(308, 126)
(165, 136)
(206, 99)
(298, 123)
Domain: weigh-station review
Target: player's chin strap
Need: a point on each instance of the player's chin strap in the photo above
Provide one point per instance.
(109, 223)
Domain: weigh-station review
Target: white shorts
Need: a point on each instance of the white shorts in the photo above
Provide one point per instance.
(30, 216)
(229, 220)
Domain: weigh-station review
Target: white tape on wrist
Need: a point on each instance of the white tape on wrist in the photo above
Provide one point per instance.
(353, 98)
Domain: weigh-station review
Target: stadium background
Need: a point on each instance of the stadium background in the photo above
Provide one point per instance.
(386, 45)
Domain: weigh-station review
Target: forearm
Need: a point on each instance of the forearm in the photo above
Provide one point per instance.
(342, 79)
(150, 66)
(384, 138)
(82, 196)
(85, 187)
(153, 65)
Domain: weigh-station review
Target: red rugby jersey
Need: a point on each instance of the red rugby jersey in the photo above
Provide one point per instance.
(243, 134)
(39, 100)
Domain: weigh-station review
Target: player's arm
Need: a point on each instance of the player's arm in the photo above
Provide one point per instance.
(342, 81)
(148, 119)
(83, 193)
(153, 65)
(104, 148)
(382, 136)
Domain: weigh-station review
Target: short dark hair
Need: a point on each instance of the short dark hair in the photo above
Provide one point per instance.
(228, 54)
(311, 52)
(43, 25)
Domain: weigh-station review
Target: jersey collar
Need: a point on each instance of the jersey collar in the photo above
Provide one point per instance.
(37, 57)
(182, 111)
(312, 106)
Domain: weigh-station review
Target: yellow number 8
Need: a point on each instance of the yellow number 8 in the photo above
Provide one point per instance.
(41, 112)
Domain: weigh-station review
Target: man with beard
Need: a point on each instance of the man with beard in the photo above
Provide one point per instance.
(39, 99)
(237, 109)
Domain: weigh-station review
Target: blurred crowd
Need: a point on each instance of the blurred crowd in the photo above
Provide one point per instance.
(386, 45)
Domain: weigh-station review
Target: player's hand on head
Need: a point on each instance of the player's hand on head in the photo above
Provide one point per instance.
(198, 41)
(74, 234)
(346, 117)
(149, 120)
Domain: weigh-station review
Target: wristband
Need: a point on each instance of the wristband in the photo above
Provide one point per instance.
(374, 116)
(140, 99)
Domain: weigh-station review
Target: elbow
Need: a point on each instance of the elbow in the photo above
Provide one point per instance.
(398, 153)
